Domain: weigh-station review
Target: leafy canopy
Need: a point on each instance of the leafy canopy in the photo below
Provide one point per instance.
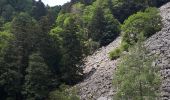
(146, 23)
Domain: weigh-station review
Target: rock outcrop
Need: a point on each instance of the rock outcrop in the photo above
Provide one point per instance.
(99, 74)
(160, 44)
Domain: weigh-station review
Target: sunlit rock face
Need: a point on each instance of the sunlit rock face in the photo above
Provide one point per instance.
(160, 44)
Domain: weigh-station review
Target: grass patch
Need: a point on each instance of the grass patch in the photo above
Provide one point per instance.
(115, 53)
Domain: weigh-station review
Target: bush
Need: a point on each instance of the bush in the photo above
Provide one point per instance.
(115, 54)
(146, 23)
(64, 93)
(124, 46)
(118, 51)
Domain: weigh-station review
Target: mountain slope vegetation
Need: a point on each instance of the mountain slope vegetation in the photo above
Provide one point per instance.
(42, 47)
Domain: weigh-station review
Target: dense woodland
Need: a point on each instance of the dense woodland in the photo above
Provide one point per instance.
(43, 47)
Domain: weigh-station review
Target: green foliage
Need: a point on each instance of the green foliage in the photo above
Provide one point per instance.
(19, 38)
(10, 75)
(88, 13)
(78, 8)
(103, 27)
(64, 93)
(38, 10)
(121, 9)
(90, 46)
(146, 23)
(112, 30)
(9, 8)
(24, 32)
(5, 36)
(124, 46)
(71, 54)
(48, 46)
(97, 24)
(38, 55)
(115, 54)
(136, 78)
(37, 79)
(23, 26)
(160, 2)
(8, 12)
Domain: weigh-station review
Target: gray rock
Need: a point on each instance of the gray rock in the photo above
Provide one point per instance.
(160, 44)
(102, 98)
(99, 69)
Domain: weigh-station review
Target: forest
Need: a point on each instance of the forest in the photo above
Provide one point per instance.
(42, 47)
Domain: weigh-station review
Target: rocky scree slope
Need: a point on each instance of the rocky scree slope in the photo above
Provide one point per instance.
(99, 70)
(160, 44)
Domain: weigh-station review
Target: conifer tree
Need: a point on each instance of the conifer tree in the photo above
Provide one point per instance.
(72, 52)
(136, 77)
(37, 79)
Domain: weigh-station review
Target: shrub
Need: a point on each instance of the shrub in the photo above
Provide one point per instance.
(146, 23)
(124, 46)
(115, 54)
(64, 93)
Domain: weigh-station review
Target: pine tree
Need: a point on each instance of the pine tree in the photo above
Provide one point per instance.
(49, 49)
(26, 32)
(11, 75)
(72, 52)
(97, 24)
(38, 78)
(39, 10)
(136, 78)
(25, 36)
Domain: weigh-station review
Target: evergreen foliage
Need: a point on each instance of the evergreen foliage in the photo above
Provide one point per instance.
(64, 93)
(42, 47)
(136, 77)
(37, 79)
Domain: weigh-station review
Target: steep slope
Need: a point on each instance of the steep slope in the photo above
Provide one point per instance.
(99, 71)
(160, 44)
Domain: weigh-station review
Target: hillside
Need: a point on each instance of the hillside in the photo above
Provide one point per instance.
(160, 44)
(47, 51)
(99, 69)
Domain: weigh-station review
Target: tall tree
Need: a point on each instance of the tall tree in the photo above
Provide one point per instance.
(38, 10)
(71, 48)
(49, 49)
(103, 27)
(26, 32)
(97, 24)
(136, 77)
(9, 74)
(38, 78)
